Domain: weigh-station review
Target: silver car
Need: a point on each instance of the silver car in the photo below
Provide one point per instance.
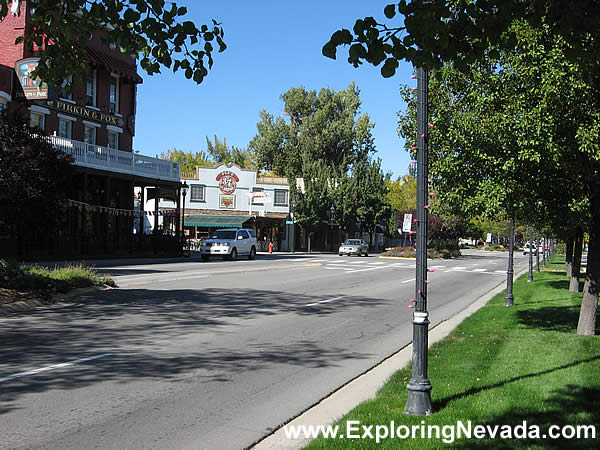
(354, 247)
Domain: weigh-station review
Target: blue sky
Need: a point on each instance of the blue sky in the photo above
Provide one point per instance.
(272, 47)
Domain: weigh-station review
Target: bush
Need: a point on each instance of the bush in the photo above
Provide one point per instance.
(402, 252)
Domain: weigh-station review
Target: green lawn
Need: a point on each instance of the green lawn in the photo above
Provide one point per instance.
(500, 366)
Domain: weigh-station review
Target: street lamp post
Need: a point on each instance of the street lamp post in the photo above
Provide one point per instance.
(509, 299)
(331, 221)
(184, 191)
(293, 233)
(530, 275)
(545, 240)
(537, 252)
(419, 388)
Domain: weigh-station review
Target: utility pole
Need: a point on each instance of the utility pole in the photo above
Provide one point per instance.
(419, 388)
(509, 299)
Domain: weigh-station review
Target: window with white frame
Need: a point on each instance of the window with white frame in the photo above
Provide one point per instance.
(113, 139)
(37, 120)
(65, 127)
(281, 197)
(90, 88)
(257, 200)
(197, 193)
(89, 135)
(114, 94)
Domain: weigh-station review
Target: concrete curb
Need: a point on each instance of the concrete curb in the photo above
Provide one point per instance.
(365, 386)
(29, 305)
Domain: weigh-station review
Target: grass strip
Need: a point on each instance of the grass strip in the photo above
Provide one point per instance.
(501, 366)
(58, 279)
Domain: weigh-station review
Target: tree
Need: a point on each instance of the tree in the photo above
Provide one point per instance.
(312, 201)
(325, 142)
(34, 181)
(523, 129)
(149, 28)
(221, 153)
(187, 160)
(431, 33)
(402, 193)
(321, 126)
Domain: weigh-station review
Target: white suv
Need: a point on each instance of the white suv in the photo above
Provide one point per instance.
(229, 243)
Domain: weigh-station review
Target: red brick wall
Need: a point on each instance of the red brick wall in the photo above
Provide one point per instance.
(13, 26)
(10, 29)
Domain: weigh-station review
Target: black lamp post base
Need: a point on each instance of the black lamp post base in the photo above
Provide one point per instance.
(418, 402)
(509, 300)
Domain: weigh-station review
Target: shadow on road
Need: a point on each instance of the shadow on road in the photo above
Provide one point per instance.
(137, 327)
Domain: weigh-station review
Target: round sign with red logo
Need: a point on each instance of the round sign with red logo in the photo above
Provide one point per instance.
(227, 182)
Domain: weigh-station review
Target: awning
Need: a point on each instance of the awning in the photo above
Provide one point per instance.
(215, 221)
(112, 64)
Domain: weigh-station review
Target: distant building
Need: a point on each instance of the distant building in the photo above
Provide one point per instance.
(227, 196)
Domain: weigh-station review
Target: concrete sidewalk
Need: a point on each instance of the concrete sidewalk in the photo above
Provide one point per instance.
(365, 386)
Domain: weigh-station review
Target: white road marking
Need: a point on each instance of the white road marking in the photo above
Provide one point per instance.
(324, 301)
(408, 281)
(500, 271)
(54, 366)
(378, 263)
(365, 270)
(336, 268)
(479, 270)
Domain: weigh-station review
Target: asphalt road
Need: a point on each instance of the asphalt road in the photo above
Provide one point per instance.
(213, 355)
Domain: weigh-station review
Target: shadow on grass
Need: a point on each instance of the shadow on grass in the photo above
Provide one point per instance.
(442, 403)
(563, 409)
(554, 318)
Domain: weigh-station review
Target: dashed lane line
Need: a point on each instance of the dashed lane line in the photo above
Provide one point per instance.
(324, 301)
(53, 367)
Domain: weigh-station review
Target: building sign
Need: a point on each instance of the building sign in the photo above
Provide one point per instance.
(227, 201)
(87, 113)
(33, 88)
(407, 223)
(227, 182)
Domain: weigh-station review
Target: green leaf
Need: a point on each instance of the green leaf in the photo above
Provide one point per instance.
(329, 50)
(390, 11)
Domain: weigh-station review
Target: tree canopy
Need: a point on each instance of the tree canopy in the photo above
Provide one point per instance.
(216, 152)
(323, 140)
(517, 137)
(154, 30)
(430, 33)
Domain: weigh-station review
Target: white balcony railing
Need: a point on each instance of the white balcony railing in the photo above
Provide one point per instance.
(105, 158)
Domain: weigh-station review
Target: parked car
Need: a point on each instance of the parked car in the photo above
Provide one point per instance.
(526, 248)
(354, 247)
(229, 243)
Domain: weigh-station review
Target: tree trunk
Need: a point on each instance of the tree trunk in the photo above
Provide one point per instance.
(576, 264)
(569, 254)
(589, 303)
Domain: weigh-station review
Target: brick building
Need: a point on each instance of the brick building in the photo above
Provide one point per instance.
(94, 122)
